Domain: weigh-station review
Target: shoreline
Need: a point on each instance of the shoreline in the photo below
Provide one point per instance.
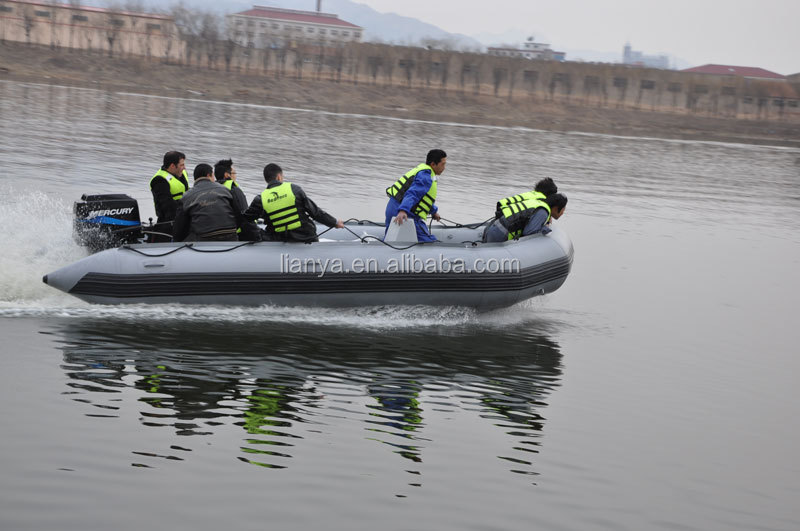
(71, 68)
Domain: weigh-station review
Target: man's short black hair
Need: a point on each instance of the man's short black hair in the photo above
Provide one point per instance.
(222, 167)
(435, 156)
(203, 170)
(558, 201)
(271, 172)
(547, 187)
(172, 157)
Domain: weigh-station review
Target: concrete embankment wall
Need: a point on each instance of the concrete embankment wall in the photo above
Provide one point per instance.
(601, 85)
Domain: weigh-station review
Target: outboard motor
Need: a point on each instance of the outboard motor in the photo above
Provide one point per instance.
(106, 221)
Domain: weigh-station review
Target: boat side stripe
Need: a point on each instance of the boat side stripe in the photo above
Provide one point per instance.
(213, 283)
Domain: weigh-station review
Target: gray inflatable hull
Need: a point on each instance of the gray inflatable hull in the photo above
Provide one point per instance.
(339, 271)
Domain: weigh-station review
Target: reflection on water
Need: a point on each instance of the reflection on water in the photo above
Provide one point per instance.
(283, 385)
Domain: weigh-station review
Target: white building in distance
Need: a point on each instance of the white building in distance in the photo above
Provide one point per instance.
(636, 58)
(272, 27)
(530, 50)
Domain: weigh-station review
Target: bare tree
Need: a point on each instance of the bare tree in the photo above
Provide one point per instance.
(355, 54)
(52, 15)
(444, 74)
(337, 64)
(113, 25)
(319, 61)
(514, 66)
(209, 36)
(266, 53)
(28, 22)
(498, 75)
(297, 62)
(189, 27)
(374, 63)
(621, 84)
(476, 75)
(529, 79)
(389, 62)
(407, 64)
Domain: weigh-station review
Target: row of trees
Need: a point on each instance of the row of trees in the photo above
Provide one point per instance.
(437, 65)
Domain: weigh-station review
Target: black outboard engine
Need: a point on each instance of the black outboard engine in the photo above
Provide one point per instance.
(106, 221)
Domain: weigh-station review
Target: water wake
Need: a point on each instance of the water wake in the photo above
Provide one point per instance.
(37, 239)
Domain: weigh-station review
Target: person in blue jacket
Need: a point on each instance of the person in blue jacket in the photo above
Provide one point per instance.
(413, 195)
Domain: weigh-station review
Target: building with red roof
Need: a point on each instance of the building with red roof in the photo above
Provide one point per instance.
(742, 71)
(272, 27)
(71, 25)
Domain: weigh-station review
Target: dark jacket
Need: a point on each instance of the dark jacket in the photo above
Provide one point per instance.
(206, 212)
(307, 210)
(166, 207)
(250, 231)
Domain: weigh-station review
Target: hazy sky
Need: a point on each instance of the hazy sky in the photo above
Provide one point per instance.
(764, 33)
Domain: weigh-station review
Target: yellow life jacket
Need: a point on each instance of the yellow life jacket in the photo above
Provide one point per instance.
(517, 198)
(514, 213)
(280, 206)
(176, 187)
(399, 188)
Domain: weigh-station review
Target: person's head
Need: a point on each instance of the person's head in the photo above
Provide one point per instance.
(272, 173)
(202, 171)
(558, 204)
(436, 159)
(547, 187)
(174, 163)
(223, 170)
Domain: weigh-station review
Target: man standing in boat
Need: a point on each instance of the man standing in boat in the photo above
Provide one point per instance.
(287, 211)
(168, 185)
(207, 211)
(413, 195)
(226, 176)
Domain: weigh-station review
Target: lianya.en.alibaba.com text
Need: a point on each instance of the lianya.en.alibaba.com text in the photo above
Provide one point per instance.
(404, 263)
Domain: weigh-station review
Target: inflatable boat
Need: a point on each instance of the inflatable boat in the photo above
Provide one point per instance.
(352, 266)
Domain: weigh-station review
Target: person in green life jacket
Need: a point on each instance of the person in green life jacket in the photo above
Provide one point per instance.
(518, 218)
(225, 174)
(541, 191)
(414, 194)
(168, 185)
(288, 213)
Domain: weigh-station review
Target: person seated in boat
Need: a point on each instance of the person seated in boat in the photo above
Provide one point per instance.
(225, 174)
(524, 217)
(414, 195)
(206, 212)
(288, 213)
(168, 185)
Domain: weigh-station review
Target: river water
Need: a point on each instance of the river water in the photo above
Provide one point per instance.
(657, 389)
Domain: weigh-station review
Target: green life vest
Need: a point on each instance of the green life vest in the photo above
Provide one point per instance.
(517, 198)
(176, 187)
(400, 187)
(515, 213)
(280, 206)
